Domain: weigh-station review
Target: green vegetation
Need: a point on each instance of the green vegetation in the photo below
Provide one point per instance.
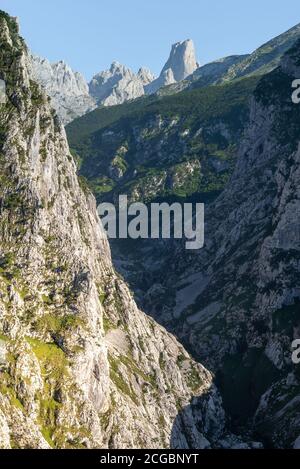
(118, 380)
(194, 379)
(84, 184)
(193, 133)
(11, 23)
(47, 434)
(180, 360)
(56, 324)
(8, 267)
(101, 185)
(52, 359)
(107, 325)
(120, 163)
(207, 103)
(11, 393)
(9, 53)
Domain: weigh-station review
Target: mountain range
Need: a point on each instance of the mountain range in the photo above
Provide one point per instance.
(73, 97)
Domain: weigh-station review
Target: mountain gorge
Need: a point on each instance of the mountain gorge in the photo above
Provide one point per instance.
(230, 139)
(81, 366)
(245, 311)
(210, 363)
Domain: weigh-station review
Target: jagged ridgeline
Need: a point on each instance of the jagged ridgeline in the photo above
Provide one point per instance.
(80, 365)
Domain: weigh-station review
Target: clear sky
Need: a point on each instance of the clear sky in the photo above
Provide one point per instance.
(90, 34)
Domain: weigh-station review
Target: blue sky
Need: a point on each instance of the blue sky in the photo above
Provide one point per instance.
(90, 34)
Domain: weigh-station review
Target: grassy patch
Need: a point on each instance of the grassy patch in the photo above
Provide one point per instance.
(52, 359)
(119, 381)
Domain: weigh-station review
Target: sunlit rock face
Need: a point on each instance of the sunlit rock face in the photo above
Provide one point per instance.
(181, 63)
(118, 84)
(68, 90)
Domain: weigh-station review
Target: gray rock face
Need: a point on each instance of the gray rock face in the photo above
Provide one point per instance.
(166, 78)
(118, 84)
(181, 63)
(182, 60)
(145, 76)
(68, 89)
(2, 92)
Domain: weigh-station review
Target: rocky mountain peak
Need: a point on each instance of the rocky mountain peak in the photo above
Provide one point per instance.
(68, 89)
(181, 63)
(182, 60)
(117, 68)
(73, 97)
(145, 75)
(118, 84)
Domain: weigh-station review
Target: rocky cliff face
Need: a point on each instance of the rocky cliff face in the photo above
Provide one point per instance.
(118, 84)
(80, 365)
(181, 63)
(145, 76)
(182, 60)
(68, 89)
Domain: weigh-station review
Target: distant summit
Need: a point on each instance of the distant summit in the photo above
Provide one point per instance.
(182, 60)
(67, 89)
(181, 63)
(119, 84)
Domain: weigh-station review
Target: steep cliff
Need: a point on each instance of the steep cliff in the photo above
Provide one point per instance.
(180, 64)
